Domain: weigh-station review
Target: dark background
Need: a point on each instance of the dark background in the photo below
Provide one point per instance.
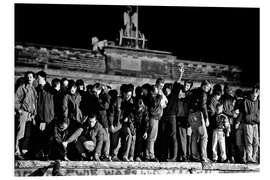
(209, 34)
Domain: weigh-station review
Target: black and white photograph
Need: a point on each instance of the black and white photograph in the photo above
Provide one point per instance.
(102, 89)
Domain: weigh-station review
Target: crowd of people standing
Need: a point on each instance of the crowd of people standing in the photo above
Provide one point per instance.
(173, 122)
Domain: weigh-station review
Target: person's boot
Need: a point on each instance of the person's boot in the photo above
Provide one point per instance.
(125, 158)
(138, 159)
(96, 157)
(154, 159)
(106, 158)
(251, 161)
(171, 160)
(194, 159)
(18, 154)
(115, 158)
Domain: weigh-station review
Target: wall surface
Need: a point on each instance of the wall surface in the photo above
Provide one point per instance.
(84, 168)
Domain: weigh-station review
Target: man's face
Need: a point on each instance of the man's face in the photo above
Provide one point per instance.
(219, 109)
(92, 121)
(187, 86)
(144, 92)
(41, 80)
(155, 92)
(139, 105)
(63, 126)
(218, 96)
(81, 87)
(160, 86)
(65, 83)
(73, 90)
(89, 91)
(96, 92)
(255, 94)
(30, 78)
(57, 87)
(206, 88)
(127, 95)
(181, 94)
(229, 91)
(167, 91)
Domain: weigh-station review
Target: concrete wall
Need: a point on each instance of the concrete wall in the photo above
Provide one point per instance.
(85, 168)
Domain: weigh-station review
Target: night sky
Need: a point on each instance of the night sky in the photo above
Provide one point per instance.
(210, 34)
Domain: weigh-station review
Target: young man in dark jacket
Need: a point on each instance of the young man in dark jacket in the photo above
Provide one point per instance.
(59, 134)
(127, 120)
(198, 119)
(141, 125)
(239, 127)
(93, 141)
(45, 114)
(26, 109)
(64, 86)
(170, 119)
(72, 104)
(114, 123)
(98, 103)
(155, 112)
(228, 102)
(251, 119)
(63, 139)
(212, 103)
(184, 129)
(84, 96)
(57, 98)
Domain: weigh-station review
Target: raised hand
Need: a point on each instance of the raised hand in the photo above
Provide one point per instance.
(181, 69)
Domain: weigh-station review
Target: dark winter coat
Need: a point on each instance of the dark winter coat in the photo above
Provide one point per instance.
(45, 105)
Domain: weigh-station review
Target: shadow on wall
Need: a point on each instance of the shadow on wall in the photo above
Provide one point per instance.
(41, 171)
